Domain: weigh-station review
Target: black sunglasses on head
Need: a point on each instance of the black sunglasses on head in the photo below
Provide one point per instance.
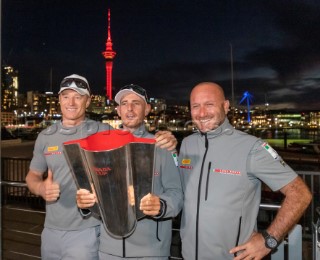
(79, 83)
(139, 90)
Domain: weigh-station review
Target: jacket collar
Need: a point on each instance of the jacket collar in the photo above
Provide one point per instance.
(141, 131)
(224, 128)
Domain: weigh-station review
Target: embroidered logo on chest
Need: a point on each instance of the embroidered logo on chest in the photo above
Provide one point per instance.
(228, 172)
(52, 150)
(186, 164)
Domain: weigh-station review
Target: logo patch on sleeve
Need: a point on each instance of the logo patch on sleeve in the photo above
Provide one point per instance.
(175, 157)
(270, 150)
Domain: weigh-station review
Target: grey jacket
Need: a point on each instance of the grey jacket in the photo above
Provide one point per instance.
(63, 214)
(221, 172)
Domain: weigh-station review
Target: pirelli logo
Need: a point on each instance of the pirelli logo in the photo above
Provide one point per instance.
(186, 161)
(186, 164)
(53, 148)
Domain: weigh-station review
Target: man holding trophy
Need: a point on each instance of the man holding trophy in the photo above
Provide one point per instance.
(67, 234)
(151, 238)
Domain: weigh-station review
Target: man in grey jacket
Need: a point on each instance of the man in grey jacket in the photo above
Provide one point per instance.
(152, 237)
(222, 169)
(67, 234)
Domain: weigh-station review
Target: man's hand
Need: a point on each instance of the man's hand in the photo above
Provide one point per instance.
(85, 199)
(150, 205)
(297, 199)
(48, 189)
(253, 249)
(166, 140)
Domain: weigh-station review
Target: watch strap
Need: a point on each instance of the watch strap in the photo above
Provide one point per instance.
(268, 238)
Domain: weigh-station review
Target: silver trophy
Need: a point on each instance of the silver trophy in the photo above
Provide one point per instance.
(120, 168)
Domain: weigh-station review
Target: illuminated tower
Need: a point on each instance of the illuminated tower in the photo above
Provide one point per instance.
(109, 54)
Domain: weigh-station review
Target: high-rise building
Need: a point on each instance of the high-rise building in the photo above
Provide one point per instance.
(109, 55)
(9, 89)
(97, 104)
(46, 104)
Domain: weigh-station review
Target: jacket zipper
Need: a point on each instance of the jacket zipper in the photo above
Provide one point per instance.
(199, 194)
(208, 178)
(238, 235)
(123, 247)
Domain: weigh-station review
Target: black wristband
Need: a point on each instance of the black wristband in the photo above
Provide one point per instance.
(163, 209)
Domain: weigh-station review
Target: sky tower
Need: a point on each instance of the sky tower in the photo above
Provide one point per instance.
(109, 54)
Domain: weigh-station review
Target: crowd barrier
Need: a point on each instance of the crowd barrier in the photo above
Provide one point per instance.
(15, 192)
(316, 236)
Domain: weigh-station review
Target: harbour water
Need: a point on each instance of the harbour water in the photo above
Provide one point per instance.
(279, 138)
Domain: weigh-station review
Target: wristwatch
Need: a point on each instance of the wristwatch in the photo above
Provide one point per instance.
(270, 241)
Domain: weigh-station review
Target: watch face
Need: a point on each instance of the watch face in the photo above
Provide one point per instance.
(271, 242)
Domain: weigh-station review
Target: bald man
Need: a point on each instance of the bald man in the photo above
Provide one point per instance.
(222, 170)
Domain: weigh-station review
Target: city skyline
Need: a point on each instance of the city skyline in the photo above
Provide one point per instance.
(167, 47)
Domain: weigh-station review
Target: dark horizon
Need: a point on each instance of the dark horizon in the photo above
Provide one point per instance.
(168, 47)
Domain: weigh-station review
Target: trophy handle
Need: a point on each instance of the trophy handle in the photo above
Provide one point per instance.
(141, 156)
(79, 170)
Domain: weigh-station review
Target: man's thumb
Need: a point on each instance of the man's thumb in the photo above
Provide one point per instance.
(50, 177)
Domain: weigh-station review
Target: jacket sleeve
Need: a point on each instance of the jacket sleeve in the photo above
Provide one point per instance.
(266, 164)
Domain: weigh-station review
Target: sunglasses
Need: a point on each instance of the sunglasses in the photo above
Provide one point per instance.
(79, 83)
(139, 90)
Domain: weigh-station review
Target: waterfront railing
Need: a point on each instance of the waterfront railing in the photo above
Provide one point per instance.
(23, 215)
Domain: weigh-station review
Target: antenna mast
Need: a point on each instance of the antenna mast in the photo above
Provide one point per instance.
(232, 89)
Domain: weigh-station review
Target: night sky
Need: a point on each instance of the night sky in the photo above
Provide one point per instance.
(168, 46)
